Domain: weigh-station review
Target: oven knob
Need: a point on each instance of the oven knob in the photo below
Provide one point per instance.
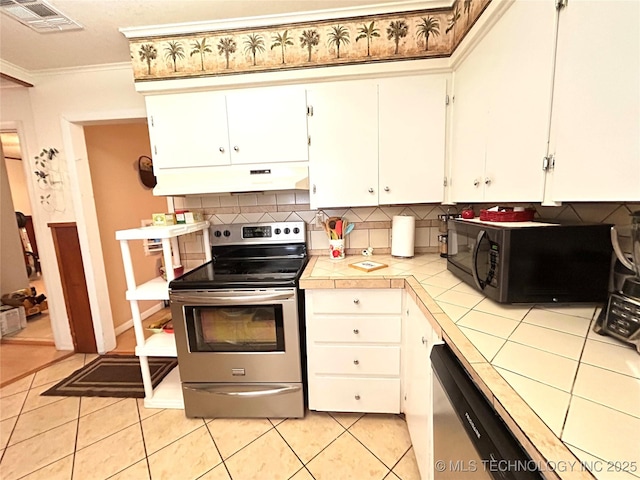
(296, 230)
(217, 233)
(287, 231)
(278, 231)
(226, 233)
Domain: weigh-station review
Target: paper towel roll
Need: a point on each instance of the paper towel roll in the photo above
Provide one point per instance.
(403, 236)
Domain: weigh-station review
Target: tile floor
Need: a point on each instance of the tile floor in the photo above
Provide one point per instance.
(87, 438)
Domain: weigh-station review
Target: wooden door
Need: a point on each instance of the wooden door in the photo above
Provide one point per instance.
(74, 286)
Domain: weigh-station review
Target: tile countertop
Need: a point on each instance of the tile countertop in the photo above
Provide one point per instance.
(568, 394)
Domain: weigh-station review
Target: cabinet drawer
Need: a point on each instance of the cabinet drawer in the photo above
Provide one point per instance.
(349, 394)
(357, 329)
(351, 360)
(357, 301)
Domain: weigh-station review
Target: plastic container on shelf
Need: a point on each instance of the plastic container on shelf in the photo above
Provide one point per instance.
(507, 214)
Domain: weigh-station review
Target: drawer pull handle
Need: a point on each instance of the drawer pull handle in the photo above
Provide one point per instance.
(357, 397)
(356, 331)
(356, 301)
(356, 362)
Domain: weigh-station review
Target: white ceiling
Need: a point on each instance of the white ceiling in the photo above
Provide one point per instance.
(102, 43)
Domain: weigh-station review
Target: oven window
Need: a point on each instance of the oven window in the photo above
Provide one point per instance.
(246, 328)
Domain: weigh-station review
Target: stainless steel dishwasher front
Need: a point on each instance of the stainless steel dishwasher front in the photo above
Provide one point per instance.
(470, 440)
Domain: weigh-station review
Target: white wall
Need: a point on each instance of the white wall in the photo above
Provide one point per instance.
(55, 108)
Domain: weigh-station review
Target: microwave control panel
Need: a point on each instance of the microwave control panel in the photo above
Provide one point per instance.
(494, 255)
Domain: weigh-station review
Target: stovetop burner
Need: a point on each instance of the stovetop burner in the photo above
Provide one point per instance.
(250, 256)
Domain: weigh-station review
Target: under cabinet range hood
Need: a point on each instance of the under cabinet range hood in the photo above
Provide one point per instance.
(232, 178)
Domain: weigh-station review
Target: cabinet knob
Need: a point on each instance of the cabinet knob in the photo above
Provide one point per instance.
(476, 182)
(356, 301)
(371, 190)
(236, 148)
(487, 181)
(386, 189)
(356, 331)
(221, 149)
(424, 341)
(356, 362)
(357, 397)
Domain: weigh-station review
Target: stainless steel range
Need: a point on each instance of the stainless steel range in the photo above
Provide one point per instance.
(238, 323)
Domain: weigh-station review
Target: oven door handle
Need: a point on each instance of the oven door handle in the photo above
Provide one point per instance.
(233, 392)
(213, 300)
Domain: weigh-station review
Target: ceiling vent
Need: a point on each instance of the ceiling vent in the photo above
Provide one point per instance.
(39, 16)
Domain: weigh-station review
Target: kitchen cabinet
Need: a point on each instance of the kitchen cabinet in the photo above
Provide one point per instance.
(168, 394)
(502, 96)
(411, 139)
(353, 350)
(204, 129)
(343, 149)
(377, 142)
(596, 108)
(417, 340)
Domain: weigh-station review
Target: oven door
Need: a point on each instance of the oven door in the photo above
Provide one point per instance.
(243, 336)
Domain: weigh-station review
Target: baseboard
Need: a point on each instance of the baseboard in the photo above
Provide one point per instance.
(146, 314)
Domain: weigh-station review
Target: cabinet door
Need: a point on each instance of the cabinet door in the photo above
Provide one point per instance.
(343, 153)
(412, 119)
(268, 125)
(596, 107)
(188, 130)
(502, 107)
(417, 379)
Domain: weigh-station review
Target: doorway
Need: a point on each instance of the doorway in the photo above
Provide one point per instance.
(38, 330)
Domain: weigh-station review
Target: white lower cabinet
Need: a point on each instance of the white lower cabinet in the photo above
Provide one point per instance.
(353, 349)
(417, 401)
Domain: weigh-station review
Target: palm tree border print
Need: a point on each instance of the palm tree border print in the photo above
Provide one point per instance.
(427, 33)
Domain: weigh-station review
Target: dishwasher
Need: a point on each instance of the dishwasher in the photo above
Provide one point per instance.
(470, 440)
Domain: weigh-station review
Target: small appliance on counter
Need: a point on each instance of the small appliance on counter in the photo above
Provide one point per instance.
(443, 229)
(621, 316)
(532, 261)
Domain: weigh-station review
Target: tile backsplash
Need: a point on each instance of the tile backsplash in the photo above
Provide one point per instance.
(372, 224)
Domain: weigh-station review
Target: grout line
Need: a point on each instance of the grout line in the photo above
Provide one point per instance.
(144, 443)
(206, 425)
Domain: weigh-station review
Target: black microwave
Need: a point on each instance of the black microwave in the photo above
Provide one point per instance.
(532, 262)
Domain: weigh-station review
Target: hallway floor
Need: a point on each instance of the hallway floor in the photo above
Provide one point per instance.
(88, 438)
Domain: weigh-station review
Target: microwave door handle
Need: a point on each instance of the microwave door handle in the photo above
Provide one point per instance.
(474, 263)
(228, 300)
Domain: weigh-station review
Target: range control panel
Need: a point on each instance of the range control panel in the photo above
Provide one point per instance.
(258, 233)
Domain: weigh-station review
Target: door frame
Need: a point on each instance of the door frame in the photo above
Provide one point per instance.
(74, 144)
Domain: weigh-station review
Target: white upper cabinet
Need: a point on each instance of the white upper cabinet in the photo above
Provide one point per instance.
(502, 96)
(377, 142)
(412, 120)
(343, 153)
(596, 108)
(188, 130)
(268, 125)
(204, 129)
